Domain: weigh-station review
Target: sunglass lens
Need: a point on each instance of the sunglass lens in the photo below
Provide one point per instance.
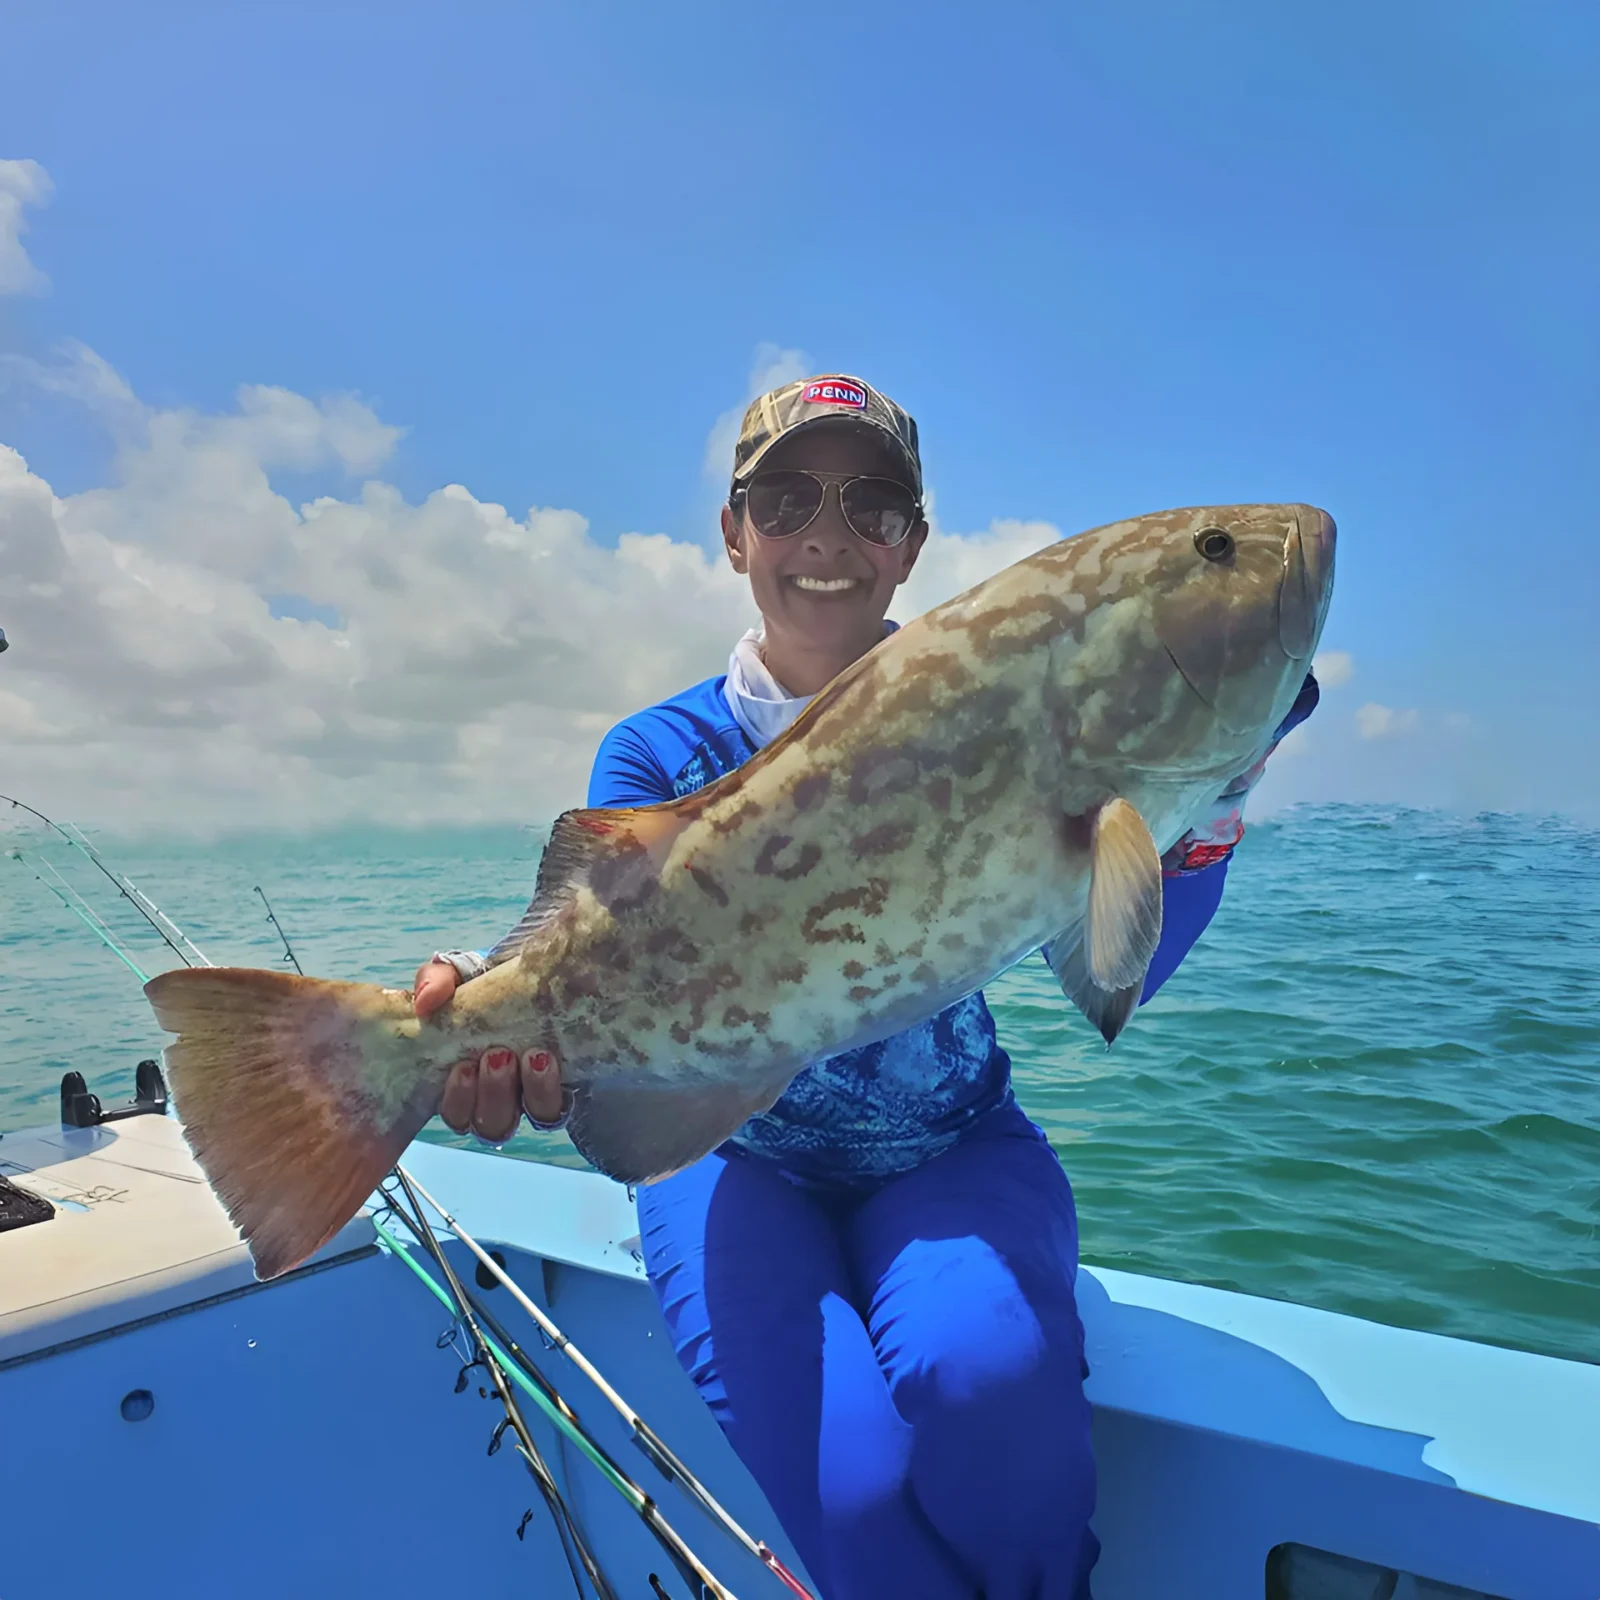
(879, 509)
(782, 503)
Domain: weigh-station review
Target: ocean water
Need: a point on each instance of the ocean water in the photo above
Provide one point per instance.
(1374, 1086)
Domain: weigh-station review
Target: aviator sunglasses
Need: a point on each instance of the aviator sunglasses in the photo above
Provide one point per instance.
(784, 503)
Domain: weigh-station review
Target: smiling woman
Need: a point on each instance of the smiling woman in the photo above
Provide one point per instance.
(872, 1283)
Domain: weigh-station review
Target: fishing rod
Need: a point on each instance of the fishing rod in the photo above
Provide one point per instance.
(574, 1546)
(177, 940)
(272, 917)
(656, 1450)
(83, 911)
(702, 1584)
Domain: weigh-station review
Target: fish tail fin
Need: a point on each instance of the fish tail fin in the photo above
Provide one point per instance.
(296, 1096)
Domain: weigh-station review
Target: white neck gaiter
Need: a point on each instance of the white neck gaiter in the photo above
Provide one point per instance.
(760, 704)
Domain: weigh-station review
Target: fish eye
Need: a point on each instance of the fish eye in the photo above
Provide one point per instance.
(1215, 544)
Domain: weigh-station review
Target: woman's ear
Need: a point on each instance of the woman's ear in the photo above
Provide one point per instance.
(733, 537)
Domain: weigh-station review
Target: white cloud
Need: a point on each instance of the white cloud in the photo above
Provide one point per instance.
(1384, 722)
(1334, 668)
(773, 366)
(22, 184)
(474, 662)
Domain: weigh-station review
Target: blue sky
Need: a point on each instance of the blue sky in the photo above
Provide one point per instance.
(1113, 258)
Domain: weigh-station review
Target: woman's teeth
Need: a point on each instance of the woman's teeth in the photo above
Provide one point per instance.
(825, 585)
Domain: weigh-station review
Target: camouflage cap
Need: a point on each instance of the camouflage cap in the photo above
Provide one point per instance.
(809, 401)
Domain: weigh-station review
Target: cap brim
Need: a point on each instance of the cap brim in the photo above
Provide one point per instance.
(852, 420)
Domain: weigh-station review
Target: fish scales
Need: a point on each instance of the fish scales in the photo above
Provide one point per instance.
(1000, 774)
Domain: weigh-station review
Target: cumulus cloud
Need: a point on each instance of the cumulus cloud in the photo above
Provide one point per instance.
(1384, 722)
(1334, 668)
(22, 184)
(773, 366)
(192, 649)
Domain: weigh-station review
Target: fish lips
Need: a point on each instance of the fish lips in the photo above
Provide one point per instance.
(1307, 584)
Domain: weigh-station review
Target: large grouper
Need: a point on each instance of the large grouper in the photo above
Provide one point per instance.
(999, 776)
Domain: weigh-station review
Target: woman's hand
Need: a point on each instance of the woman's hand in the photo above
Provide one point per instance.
(487, 1094)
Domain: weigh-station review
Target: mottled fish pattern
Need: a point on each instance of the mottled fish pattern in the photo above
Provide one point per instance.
(1000, 774)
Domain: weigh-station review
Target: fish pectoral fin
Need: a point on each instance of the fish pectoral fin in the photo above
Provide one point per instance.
(639, 1133)
(1123, 925)
(1108, 1009)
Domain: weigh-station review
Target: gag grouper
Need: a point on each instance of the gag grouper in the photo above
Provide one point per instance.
(1001, 774)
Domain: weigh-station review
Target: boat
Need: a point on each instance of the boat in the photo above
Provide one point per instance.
(174, 1427)
(483, 1399)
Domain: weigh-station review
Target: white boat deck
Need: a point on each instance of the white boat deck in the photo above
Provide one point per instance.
(137, 1232)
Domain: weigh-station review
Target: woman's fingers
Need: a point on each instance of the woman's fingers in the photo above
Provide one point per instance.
(435, 983)
(541, 1085)
(488, 1094)
(460, 1098)
(499, 1107)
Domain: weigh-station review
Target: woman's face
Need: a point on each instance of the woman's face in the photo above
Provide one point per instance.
(858, 578)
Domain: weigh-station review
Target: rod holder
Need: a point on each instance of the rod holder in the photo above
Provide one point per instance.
(81, 1109)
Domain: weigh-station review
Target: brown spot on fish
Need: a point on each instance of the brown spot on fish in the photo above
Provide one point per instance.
(707, 882)
(884, 840)
(674, 944)
(625, 879)
(811, 790)
(880, 772)
(736, 818)
(863, 991)
(751, 923)
(939, 794)
(767, 862)
(868, 898)
(926, 975)
(854, 969)
(914, 950)
(789, 972)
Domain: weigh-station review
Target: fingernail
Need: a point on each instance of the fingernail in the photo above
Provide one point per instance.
(538, 1061)
(500, 1060)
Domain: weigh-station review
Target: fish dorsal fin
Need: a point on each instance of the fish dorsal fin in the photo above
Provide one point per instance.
(618, 854)
(1123, 926)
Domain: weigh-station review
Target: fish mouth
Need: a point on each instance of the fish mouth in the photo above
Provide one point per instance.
(1307, 582)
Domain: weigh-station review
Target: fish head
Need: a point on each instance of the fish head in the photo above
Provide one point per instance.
(1201, 626)
(1241, 596)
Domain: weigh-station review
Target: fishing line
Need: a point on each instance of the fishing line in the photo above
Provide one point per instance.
(146, 907)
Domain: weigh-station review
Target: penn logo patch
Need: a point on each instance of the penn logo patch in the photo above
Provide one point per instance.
(835, 392)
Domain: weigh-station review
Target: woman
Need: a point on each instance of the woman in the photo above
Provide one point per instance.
(871, 1284)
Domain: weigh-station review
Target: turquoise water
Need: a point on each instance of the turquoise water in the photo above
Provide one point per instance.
(1374, 1086)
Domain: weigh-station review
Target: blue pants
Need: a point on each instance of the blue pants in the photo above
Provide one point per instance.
(901, 1370)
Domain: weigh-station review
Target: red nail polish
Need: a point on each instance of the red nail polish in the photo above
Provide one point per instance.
(538, 1061)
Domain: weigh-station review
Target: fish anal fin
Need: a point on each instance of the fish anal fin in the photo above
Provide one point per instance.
(1123, 924)
(296, 1095)
(1107, 1009)
(641, 1133)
